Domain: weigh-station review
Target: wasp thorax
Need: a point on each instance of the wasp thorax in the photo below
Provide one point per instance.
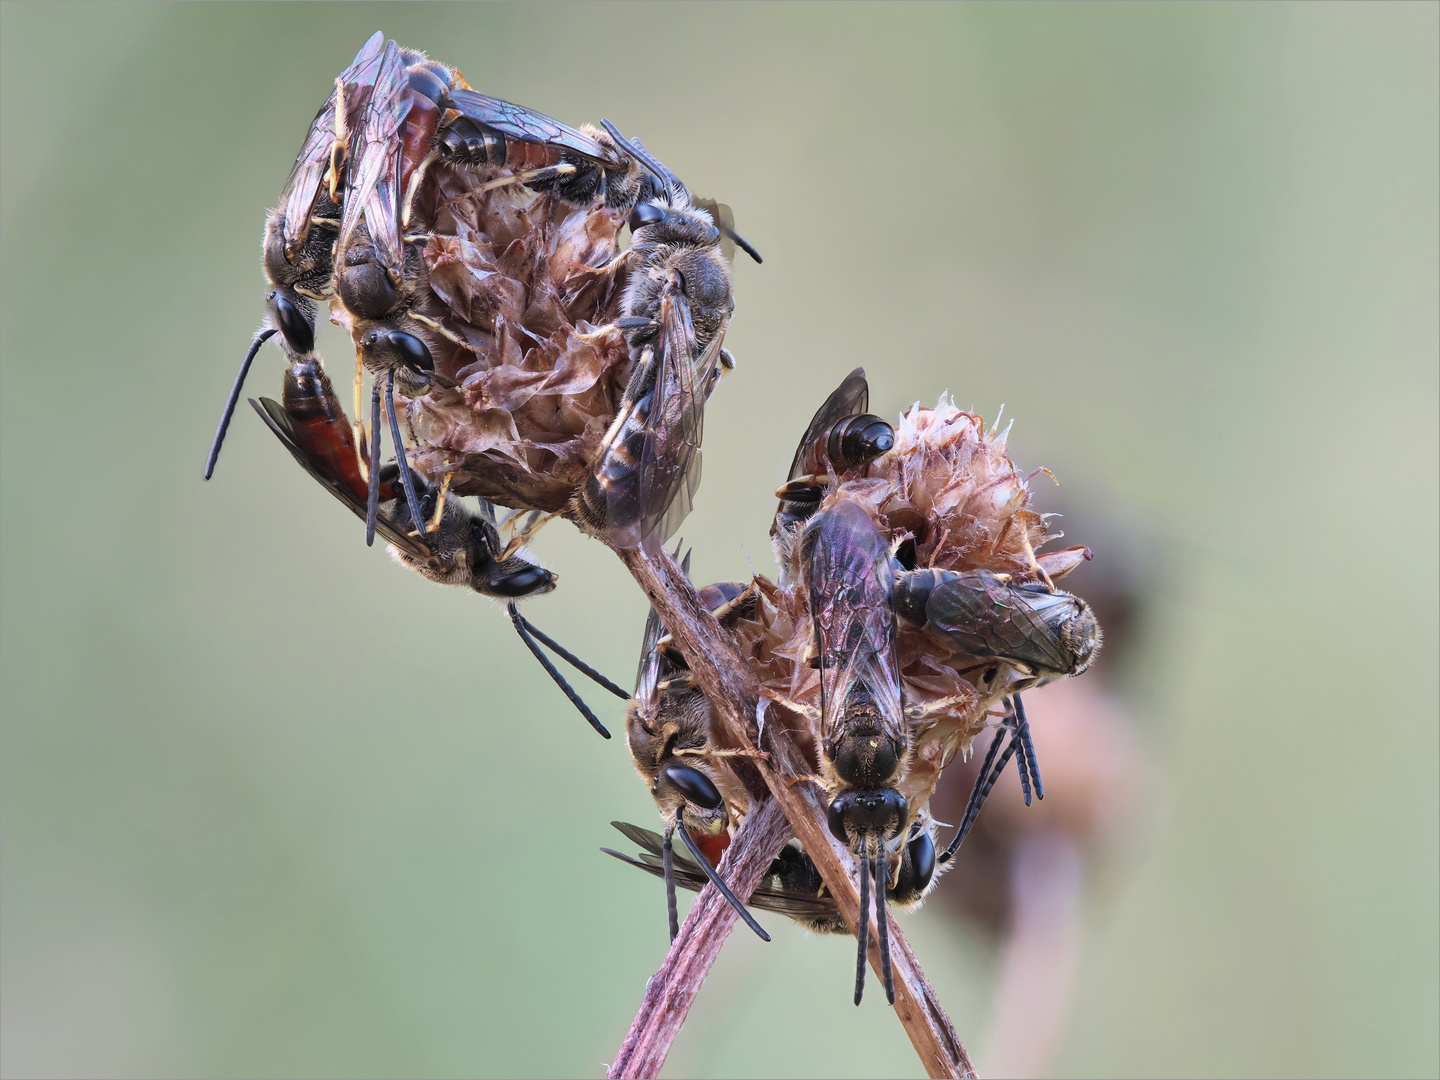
(867, 760)
(364, 285)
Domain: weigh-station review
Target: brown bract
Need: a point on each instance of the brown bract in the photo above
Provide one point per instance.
(531, 383)
(949, 486)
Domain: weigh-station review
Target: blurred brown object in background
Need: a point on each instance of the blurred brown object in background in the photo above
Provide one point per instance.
(1021, 873)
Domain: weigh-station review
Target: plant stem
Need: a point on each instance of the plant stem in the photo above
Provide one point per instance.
(672, 990)
(735, 694)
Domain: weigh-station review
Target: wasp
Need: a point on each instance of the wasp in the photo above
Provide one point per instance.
(1042, 632)
(841, 436)
(300, 232)
(792, 886)
(668, 730)
(447, 543)
(676, 307)
(864, 737)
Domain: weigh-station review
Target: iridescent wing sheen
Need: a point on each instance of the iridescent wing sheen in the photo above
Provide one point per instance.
(851, 581)
(850, 398)
(648, 676)
(373, 191)
(296, 439)
(306, 177)
(768, 896)
(527, 125)
(669, 459)
(982, 615)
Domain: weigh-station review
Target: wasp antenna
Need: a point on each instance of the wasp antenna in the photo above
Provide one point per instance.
(740, 242)
(417, 519)
(261, 337)
(575, 699)
(372, 504)
(1029, 747)
(981, 791)
(1021, 762)
(570, 658)
(668, 858)
(644, 157)
(862, 927)
(882, 879)
(719, 883)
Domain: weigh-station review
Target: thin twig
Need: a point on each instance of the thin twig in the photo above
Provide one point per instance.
(672, 990)
(734, 692)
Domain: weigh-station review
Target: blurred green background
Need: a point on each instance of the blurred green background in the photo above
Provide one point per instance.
(273, 806)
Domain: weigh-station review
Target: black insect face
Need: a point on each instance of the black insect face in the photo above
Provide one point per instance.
(860, 439)
(856, 815)
(385, 347)
(295, 318)
(1080, 634)
(526, 582)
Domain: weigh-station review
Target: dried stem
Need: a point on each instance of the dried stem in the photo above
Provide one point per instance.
(672, 990)
(734, 692)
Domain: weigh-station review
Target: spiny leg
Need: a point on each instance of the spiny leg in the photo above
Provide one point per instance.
(719, 883)
(573, 660)
(1029, 746)
(668, 861)
(520, 629)
(550, 172)
(406, 480)
(260, 339)
(372, 505)
(979, 793)
(881, 877)
(440, 504)
(862, 927)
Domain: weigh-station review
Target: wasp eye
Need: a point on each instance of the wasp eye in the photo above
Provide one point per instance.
(405, 349)
(645, 213)
(694, 785)
(521, 583)
(299, 334)
(922, 860)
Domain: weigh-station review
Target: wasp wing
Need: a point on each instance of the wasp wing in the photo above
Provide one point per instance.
(308, 173)
(648, 677)
(668, 471)
(297, 440)
(982, 615)
(527, 125)
(851, 581)
(373, 191)
(850, 398)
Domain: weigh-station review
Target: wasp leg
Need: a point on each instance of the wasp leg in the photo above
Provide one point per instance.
(520, 628)
(529, 531)
(424, 320)
(362, 442)
(550, 172)
(440, 504)
(260, 338)
(984, 782)
(808, 711)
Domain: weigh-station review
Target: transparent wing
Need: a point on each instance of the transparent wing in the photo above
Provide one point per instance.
(669, 459)
(527, 125)
(373, 190)
(850, 398)
(303, 186)
(649, 674)
(984, 616)
(851, 582)
(295, 438)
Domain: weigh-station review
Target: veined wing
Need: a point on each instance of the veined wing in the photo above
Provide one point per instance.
(373, 191)
(308, 173)
(527, 125)
(669, 460)
(851, 581)
(983, 615)
(648, 677)
(850, 398)
(297, 440)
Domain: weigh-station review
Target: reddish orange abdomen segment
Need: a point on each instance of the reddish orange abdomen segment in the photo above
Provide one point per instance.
(712, 847)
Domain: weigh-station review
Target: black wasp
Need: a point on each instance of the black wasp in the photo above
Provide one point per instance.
(447, 544)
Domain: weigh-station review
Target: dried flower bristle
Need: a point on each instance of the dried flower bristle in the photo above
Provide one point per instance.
(522, 285)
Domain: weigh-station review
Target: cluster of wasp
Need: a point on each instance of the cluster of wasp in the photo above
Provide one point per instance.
(471, 249)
